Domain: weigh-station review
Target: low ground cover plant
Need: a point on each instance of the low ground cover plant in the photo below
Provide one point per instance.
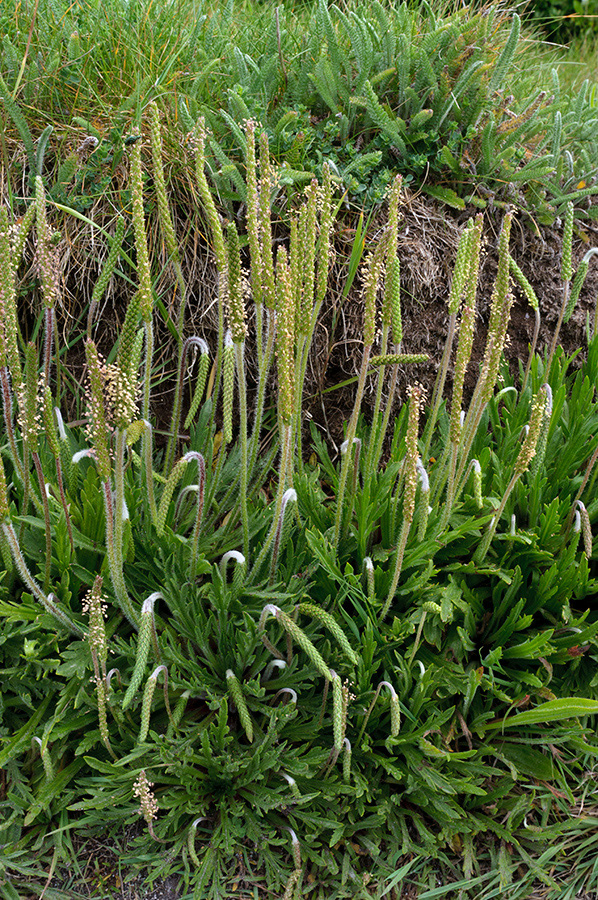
(442, 97)
(302, 675)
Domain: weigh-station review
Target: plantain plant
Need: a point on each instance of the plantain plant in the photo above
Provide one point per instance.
(240, 644)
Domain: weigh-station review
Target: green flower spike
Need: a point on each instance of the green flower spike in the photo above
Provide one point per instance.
(143, 263)
(285, 339)
(310, 609)
(538, 460)
(578, 283)
(236, 304)
(295, 875)
(46, 758)
(22, 233)
(347, 761)
(236, 693)
(253, 227)
(9, 330)
(533, 301)
(338, 720)
(566, 276)
(267, 183)
(164, 214)
(239, 570)
(146, 705)
(203, 367)
(99, 288)
(581, 513)
(395, 710)
(177, 713)
(191, 840)
(416, 396)
(477, 483)
(291, 628)
(466, 332)
(500, 311)
(94, 605)
(524, 458)
(144, 639)
(171, 483)
(369, 572)
(228, 387)
(98, 424)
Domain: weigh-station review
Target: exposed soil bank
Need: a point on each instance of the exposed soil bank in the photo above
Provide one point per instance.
(427, 245)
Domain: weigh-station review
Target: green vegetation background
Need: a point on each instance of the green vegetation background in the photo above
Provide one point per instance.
(306, 674)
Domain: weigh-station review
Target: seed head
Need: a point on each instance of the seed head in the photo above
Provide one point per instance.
(285, 337)
(47, 261)
(416, 398)
(143, 263)
(95, 606)
(586, 528)
(373, 270)
(148, 805)
(528, 449)
(236, 305)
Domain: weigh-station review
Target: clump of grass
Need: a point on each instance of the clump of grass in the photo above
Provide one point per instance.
(442, 96)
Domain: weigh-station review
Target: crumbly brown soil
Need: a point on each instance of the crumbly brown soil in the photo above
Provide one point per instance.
(427, 248)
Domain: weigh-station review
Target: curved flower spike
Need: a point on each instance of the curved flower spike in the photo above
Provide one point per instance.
(144, 638)
(273, 664)
(236, 557)
(191, 840)
(81, 454)
(287, 690)
(292, 784)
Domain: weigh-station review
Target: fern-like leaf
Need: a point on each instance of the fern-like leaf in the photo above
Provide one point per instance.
(505, 59)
